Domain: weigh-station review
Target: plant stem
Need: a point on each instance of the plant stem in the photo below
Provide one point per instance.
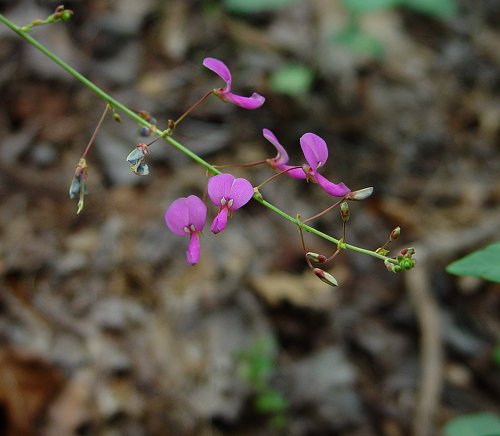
(193, 107)
(165, 134)
(91, 141)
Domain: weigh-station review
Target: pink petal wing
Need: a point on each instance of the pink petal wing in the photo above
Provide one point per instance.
(193, 251)
(177, 216)
(331, 188)
(219, 186)
(315, 150)
(296, 173)
(241, 193)
(282, 156)
(253, 102)
(197, 212)
(219, 68)
(220, 221)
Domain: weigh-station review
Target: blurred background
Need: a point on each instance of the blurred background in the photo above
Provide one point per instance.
(105, 330)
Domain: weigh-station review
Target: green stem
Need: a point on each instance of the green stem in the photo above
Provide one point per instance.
(116, 104)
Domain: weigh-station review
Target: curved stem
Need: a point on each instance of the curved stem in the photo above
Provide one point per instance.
(165, 134)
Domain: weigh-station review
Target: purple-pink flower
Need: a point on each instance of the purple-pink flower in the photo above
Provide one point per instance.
(187, 216)
(253, 102)
(229, 194)
(316, 153)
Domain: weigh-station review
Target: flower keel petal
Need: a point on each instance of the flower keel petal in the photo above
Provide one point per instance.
(253, 102)
(335, 190)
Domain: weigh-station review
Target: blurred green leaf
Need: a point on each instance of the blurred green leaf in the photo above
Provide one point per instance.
(291, 79)
(255, 6)
(271, 401)
(483, 263)
(478, 424)
(436, 8)
(257, 361)
(359, 42)
(496, 355)
(360, 6)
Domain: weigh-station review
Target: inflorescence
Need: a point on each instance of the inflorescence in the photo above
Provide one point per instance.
(187, 216)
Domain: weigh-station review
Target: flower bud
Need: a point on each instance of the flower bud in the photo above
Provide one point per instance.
(360, 194)
(395, 234)
(325, 277)
(344, 211)
(116, 117)
(66, 14)
(392, 267)
(315, 257)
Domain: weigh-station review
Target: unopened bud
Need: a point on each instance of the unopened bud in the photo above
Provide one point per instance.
(360, 194)
(395, 233)
(344, 211)
(66, 14)
(116, 117)
(325, 277)
(392, 267)
(315, 257)
(145, 131)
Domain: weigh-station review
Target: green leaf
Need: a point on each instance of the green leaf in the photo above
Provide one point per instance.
(436, 8)
(496, 355)
(291, 79)
(360, 6)
(255, 6)
(478, 424)
(359, 42)
(483, 263)
(271, 401)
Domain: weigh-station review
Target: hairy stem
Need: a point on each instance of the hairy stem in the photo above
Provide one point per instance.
(165, 134)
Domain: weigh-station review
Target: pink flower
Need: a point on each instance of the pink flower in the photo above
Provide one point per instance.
(278, 162)
(253, 102)
(229, 194)
(316, 153)
(187, 216)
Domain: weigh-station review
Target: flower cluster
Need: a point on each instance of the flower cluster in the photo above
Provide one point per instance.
(187, 216)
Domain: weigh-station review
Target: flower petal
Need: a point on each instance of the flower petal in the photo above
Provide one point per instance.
(296, 173)
(193, 251)
(315, 150)
(331, 188)
(282, 156)
(253, 102)
(219, 68)
(197, 212)
(241, 193)
(177, 216)
(219, 186)
(220, 221)
(185, 212)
